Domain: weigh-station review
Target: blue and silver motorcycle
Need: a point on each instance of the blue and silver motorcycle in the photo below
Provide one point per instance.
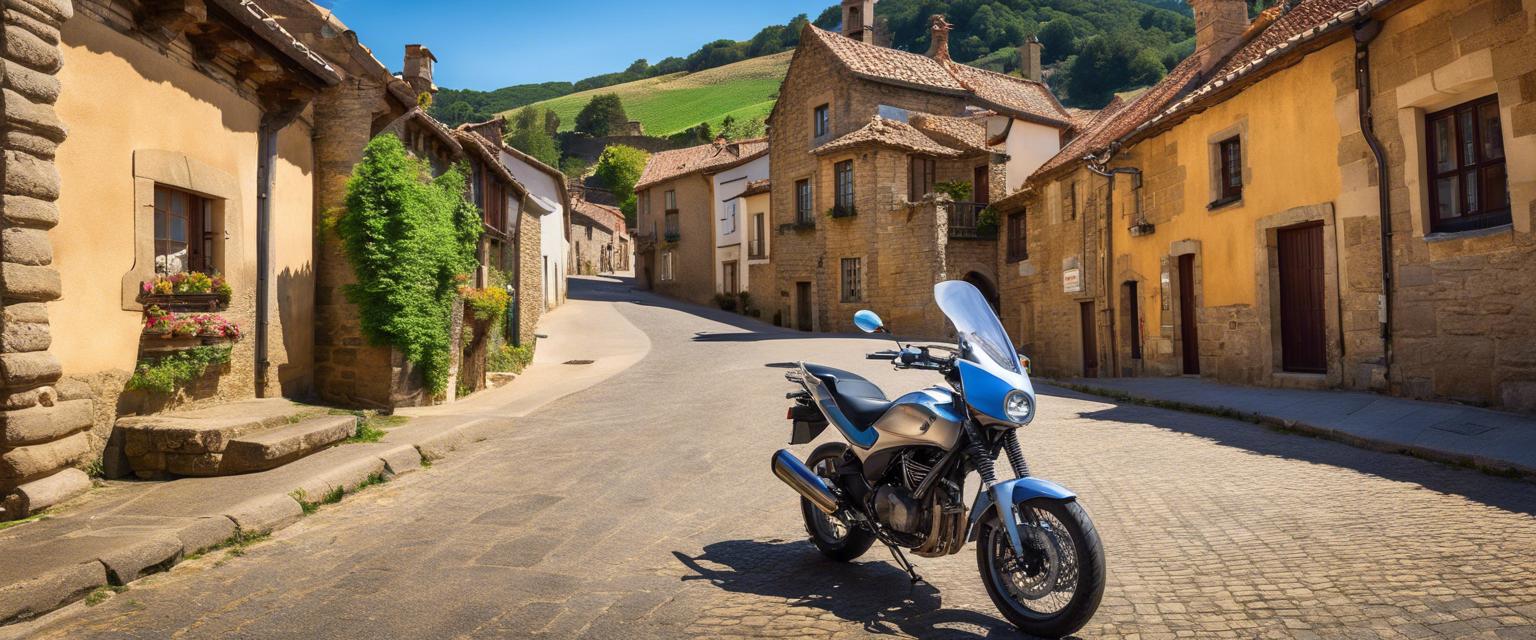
(900, 477)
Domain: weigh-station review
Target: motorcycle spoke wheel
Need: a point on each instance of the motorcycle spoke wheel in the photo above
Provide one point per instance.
(1054, 589)
(1045, 580)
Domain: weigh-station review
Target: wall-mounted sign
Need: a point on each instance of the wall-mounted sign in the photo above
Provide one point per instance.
(1072, 280)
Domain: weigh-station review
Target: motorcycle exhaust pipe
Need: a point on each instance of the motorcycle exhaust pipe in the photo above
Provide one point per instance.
(805, 482)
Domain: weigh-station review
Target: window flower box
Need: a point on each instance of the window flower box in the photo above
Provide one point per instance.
(165, 330)
(193, 291)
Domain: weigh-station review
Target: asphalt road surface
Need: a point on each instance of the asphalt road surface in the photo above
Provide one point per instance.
(644, 507)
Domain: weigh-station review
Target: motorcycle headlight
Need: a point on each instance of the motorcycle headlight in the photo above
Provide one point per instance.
(1019, 407)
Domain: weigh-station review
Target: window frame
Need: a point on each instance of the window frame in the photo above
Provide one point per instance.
(730, 273)
(852, 281)
(199, 238)
(1484, 217)
(821, 120)
(843, 194)
(919, 186)
(805, 202)
(1070, 203)
(1229, 171)
(669, 200)
(757, 245)
(671, 225)
(1018, 237)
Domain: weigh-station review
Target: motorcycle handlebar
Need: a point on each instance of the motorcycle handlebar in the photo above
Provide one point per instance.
(883, 355)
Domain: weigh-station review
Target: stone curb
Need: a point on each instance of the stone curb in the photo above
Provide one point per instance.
(44, 593)
(1481, 463)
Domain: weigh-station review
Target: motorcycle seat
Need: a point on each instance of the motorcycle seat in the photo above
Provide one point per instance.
(861, 400)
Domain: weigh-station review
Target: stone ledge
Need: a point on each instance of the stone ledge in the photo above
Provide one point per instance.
(49, 591)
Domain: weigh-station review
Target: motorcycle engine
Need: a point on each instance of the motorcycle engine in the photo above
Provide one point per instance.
(898, 510)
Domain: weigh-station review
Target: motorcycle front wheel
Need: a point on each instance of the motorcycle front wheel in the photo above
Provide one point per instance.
(831, 536)
(1055, 588)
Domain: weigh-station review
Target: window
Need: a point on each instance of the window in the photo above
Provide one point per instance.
(644, 206)
(671, 200)
(666, 267)
(728, 276)
(921, 175)
(843, 189)
(853, 274)
(823, 120)
(495, 211)
(1230, 187)
(1069, 201)
(729, 221)
(803, 213)
(758, 247)
(672, 229)
(1468, 182)
(183, 232)
(1018, 243)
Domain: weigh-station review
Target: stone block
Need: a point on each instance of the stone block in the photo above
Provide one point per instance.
(25, 369)
(401, 460)
(27, 48)
(1518, 395)
(36, 461)
(73, 389)
(205, 533)
(23, 337)
(26, 312)
(126, 563)
(30, 283)
(23, 211)
(25, 398)
(31, 144)
(265, 514)
(44, 424)
(43, 593)
(38, 495)
(29, 175)
(50, 11)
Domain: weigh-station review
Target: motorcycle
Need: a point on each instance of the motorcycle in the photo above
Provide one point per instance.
(899, 478)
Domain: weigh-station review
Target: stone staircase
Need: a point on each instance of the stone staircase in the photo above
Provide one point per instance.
(240, 437)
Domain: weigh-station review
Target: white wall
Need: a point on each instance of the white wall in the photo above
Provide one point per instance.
(1029, 146)
(730, 219)
(552, 226)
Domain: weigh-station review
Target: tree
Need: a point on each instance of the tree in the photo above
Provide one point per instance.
(618, 169)
(1108, 64)
(551, 123)
(831, 18)
(573, 167)
(603, 116)
(733, 129)
(530, 135)
(1059, 38)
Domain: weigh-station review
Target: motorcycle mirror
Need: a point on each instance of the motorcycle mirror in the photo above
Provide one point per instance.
(868, 322)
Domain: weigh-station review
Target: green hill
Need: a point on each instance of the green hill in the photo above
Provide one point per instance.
(674, 102)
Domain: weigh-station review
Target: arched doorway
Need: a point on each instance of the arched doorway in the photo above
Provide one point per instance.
(988, 290)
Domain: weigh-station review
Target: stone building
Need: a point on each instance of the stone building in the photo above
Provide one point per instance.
(1241, 236)
(870, 149)
(675, 221)
(151, 139)
(599, 238)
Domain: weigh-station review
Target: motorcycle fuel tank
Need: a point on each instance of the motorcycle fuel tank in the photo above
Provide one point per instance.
(920, 418)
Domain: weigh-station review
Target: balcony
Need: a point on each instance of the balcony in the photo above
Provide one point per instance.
(672, 237)
(967, 222)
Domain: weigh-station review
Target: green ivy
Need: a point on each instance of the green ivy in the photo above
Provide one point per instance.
(166, 373)
(410, 239)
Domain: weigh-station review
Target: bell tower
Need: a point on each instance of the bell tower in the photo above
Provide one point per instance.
(859, 20)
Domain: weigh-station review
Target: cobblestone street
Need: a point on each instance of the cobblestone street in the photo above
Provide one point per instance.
(644, 507)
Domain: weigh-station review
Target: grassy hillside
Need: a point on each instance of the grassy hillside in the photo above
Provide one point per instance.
(671, 103)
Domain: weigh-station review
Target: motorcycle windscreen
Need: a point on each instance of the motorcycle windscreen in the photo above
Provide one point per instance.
(977, 324)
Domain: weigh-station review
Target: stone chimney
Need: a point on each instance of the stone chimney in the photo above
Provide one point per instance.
(1219, 27)
(1029, 58)
(859, 20)
(418, 69)
(938, 37)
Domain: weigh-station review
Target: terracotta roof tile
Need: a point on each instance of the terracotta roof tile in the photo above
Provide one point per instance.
(963, 134)
(1023, 97)
(756, 187)
(676, 163)
(609, 217)
(889, 133)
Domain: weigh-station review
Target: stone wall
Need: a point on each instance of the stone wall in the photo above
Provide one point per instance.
(530, 277)
(43, 427)
(594, 249)
(694, 250)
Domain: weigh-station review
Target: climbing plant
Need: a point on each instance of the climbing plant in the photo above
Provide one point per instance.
(410, 239)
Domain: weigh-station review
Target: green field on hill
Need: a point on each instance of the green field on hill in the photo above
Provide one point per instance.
(669, 104)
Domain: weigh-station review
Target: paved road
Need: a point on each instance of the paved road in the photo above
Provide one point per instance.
(644, 507)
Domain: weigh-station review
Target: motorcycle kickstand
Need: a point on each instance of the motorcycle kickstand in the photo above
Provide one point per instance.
(901, 560)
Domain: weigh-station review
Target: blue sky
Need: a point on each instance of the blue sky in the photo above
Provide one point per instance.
(488, 44)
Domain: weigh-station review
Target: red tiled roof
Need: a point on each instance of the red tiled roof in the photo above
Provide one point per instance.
(1183, 85)
(889, 133)
(756, 187)
(1021, 97)
(964, 134)
(609, 217)
(676, 163)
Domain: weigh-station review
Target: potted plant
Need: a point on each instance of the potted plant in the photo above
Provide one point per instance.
(187, 291)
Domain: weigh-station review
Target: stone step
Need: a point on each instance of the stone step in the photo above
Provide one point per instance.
(273, 448)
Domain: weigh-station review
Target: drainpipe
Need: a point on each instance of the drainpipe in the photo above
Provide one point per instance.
(1365, 32)
(1100, 167)
(266, 159)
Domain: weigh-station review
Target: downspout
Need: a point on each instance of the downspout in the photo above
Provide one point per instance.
(266, 153)
(1100, 167)
(1366, 32)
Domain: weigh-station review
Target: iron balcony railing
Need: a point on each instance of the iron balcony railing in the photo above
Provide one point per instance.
(966, 222)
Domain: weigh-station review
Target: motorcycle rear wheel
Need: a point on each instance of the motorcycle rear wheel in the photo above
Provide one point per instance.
(1055, 591)
(834, 539)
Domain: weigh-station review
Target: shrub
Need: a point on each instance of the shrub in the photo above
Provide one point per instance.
(957, 190)
(486, 305)
(409, 239)
(508, 358)
(166, 373)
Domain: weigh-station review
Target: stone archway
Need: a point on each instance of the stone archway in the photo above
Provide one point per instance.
(988, 290)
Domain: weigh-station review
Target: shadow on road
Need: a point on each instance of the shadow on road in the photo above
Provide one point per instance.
(1501, 493)
(876, 595)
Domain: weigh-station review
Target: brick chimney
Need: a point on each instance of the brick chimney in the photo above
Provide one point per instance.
(1219, 27)
(1029, 58)
(418, 69)
(859, 20)
(938, 37)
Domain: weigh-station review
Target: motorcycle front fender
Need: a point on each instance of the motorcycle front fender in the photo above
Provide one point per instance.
(1004, 498)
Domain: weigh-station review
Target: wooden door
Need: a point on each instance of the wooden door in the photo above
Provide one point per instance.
(1303, 329)
(1090, 341)
(982, 186)
(1189, 333)
(803, 306)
